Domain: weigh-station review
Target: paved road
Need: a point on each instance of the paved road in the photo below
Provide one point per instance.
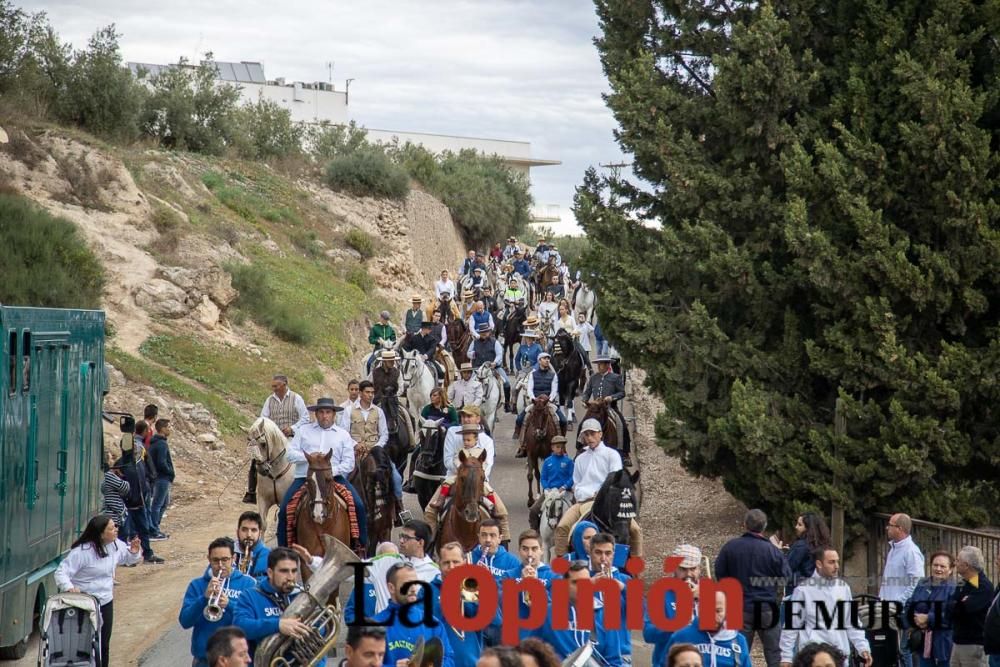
(508, 478)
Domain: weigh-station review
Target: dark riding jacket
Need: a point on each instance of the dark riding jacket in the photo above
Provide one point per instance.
(601, 386)
(425, 345)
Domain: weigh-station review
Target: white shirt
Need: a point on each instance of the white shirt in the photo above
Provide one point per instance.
(567, 323)
(827, 592)
(83, 568)
(591, 468)
(383, 425)
(585, 330)
(904, 567)
(453, 445)
(300, 407)
(442, 286)
(553, 392)
(312, 438)
(377, 568)
(427, 569)
(465, 392)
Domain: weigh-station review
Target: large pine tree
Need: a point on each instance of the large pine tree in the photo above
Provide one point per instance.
(816, 219)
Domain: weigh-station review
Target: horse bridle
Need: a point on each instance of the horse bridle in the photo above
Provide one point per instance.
(265, 466)
(407, 362)
(318, 497)
(561, 500)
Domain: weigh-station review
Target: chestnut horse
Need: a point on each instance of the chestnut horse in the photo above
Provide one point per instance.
(540, 426)
(461, 519)
(320, 511)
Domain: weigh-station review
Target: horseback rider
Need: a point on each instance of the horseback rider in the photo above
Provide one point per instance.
(367, 427)
(468, 264)
(380, 332)
(608, 387)
(446, 284)
(592, 466)
(527, 353)
(557, 473)
(486, 350)
(480, 316)
(478, 278)
(425, 344)
(470, 439)
(521, 264)
(542, 251)
(467, 390)
(489, 300)
(322, 437)
(447, 309)
(510, 249)
(513, 294)
(414, 316)
(288, 411)
(438, 331)
(437, 410)
(543, 381)
(385, 377)
(555, 286)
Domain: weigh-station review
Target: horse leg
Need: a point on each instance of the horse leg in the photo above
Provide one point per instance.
(531, 475)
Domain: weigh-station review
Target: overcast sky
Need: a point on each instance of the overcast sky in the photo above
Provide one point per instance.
(505, 69)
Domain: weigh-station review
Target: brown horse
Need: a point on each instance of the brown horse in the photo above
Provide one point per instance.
(320, 512)
(461, 519)
(459, 339)
(372, 477)
(609, 421)
(540, 426)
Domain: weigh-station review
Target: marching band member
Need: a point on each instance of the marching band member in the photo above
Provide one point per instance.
(466, 646)
(402, 633)
(248, 532)
(210, 599)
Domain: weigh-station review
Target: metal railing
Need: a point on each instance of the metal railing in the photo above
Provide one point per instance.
(930, 537)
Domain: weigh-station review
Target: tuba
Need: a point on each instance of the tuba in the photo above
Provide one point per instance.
(581, 657)
(311, 607)
(429, 654)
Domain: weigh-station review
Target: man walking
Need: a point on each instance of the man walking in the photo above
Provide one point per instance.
(904, 566)
(288, 411)
(816, 599)
(748, 559)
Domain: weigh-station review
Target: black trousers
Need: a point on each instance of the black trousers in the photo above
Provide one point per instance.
(252, 477)
(107, 621)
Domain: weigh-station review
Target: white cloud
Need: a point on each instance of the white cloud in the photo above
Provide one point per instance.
(503, 69)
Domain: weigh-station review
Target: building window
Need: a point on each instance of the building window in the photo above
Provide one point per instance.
(26, 361)
(12, 362)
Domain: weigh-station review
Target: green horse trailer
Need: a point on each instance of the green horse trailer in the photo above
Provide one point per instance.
(52, 388)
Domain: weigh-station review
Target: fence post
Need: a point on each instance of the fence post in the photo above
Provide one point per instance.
(837, 518)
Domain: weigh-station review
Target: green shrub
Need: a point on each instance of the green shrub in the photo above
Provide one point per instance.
(357, 275)
(367, 172)
(267, 131)
(45, 260)
(213, 180)
(165, 219)
(306, 241)
(326, 141)
(362, 242)
(256, 298)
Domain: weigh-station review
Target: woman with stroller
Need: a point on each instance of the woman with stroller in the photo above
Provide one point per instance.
(90, 568)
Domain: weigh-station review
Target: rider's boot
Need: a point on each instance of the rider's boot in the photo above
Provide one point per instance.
(521, 451)
(250, 497)
(506, 399)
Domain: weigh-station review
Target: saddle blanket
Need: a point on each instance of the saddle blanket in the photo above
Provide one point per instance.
(344, 497)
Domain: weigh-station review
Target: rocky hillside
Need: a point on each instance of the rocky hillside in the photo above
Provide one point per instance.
(169, 229)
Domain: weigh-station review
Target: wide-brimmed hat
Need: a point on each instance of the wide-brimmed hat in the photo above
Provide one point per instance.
(591, 425)
(467, 366)
(529, 334)
(426, 325)
(478, 268)
(602, 359)
(388, 355)
(417, 298)
(690, 555)
(467, 294)
(483, 328)
(470, 428)
(324, 404)
(470, 410)
(445, 295)
(518, 252)
(531, 322)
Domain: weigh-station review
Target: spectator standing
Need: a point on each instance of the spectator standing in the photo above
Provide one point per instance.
(991, 631)
(811, 533)
(904, 567)
(90, 568)
(149, 415)
(137, 524)
(115, 490)
(747, 558)
(930, 608)
(159, 457)
(972, 600)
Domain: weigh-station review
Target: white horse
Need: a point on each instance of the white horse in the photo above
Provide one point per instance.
(268, 446)
(554, 503)
(585, 301)
(492, 395)
(417, 381)
(519, 391)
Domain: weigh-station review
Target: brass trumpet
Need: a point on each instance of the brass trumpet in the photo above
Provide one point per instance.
(213, 610)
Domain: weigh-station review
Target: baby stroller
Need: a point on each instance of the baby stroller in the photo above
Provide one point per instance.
(70, 631)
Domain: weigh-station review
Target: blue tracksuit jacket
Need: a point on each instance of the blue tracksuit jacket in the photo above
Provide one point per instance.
(400, 640)
(258, 615)
(527, 354)
(370, 600)
(657, 637)
(726, 648)
(502, 565)
(259, 553)
(557, 472)
(566, 641)
(466, 649)
(192, 613)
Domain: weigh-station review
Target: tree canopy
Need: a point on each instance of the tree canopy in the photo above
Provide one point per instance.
(814, 219)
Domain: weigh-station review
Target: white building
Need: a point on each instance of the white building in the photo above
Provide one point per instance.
(321, 102)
